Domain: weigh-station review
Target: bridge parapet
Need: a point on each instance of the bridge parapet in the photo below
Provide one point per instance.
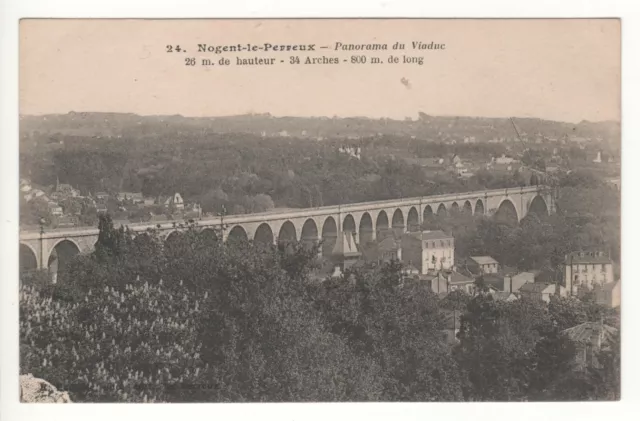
(315, 219)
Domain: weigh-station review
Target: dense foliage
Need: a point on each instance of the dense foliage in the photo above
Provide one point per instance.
(197, 320)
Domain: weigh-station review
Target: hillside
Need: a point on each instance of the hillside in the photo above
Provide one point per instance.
(98, 124)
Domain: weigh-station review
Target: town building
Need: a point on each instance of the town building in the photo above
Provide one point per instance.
(608, 295)
(130, 197)
(504, 160)
(174, 202)
(503, 296)
(513, 283)
(55, 209)
(586, 269)
(541, 291)
(353, 151)
(384, 251)
(449, 281)
(590, 338)
(508, 280)
(102, 196)
(482, 264)
(428, 250)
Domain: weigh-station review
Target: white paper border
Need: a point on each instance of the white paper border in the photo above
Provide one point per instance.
(12, 10)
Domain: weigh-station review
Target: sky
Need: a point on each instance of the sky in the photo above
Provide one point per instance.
(566, 70)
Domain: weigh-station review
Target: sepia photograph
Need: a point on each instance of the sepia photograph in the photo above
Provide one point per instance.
(319, 210)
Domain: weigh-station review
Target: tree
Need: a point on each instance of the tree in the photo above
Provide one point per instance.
(395, 324)
(496, 342)
(235, 318)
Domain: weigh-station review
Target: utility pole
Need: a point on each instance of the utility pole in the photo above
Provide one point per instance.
(42, 263)
(223, 227)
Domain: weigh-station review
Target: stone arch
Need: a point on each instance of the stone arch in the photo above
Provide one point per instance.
(209, 236)
(61, 255)
(140, 239)
(175, 242)
(507, 213)
(413, 220)
(479, 208)
(172, 237)
(287, 233)
(466, 208)
(287, 237)
(397, 222)
(349, 224)
(427, 213)
(28, 258)
(329, 235)
(238, 234)
(539, 206)
(366, 228)
(455, 208)
(382, 225)
(309, 233)
(442, 210)
(264, 235)
(428, 217)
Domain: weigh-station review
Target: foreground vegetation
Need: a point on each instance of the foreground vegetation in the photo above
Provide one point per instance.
(201, 321)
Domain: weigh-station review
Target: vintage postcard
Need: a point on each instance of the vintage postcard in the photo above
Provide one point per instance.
(319, 210)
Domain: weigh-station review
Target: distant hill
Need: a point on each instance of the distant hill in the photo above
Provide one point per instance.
(99, 124)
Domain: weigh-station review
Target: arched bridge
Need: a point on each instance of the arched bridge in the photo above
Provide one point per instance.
(367, 221)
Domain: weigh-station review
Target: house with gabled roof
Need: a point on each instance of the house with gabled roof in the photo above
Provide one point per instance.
(482, 264)
(589, 339)
(541, 291)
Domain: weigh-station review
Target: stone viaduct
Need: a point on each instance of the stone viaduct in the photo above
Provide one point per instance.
(367, 221)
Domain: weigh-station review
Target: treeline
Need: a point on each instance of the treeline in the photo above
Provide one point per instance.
(426, 126)
(195, 320)
(226, 169)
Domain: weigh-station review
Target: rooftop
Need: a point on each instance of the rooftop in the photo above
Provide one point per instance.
(484, 260)
(502, 295)
(535, 287)
(431, 235)
(457, 278)
(577, 258)
(388, 244)
(585, 332)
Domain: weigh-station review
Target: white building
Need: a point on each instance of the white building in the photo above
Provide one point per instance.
(587, 269)
(504, 160)
(429, 250)
(175, 201)
(482, 264)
